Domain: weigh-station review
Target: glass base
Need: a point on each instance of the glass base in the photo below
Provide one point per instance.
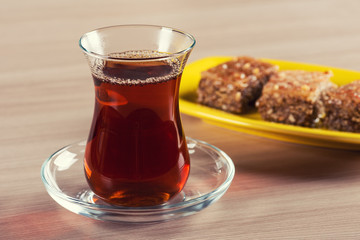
(210, 176)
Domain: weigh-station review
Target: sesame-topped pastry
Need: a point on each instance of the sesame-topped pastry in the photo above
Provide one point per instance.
(294, 97)
(234, 86)
(342, 108)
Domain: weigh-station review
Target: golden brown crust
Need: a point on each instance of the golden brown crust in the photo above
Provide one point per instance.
(342, 108)
(294, 97)
(235, 85)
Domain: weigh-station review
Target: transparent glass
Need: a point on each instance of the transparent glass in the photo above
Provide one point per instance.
(212, 172)
(136, 153)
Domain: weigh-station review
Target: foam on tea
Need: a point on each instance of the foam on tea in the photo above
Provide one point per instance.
(147, 70)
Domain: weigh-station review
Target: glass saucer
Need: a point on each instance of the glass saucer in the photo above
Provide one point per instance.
(210, 176)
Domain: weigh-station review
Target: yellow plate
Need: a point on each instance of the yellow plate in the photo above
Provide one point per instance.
(252, 123)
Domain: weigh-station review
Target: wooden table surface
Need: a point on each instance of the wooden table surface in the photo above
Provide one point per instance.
(280, 190)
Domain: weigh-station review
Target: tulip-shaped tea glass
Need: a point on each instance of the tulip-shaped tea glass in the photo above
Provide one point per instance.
(136, 152)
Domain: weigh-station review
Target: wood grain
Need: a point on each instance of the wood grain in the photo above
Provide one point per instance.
(280, 191)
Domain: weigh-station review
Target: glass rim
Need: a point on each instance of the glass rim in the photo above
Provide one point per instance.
(169, 55)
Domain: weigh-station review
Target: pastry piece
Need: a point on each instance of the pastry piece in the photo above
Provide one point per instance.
(342, 108)
(294, 97)
(234, 86)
